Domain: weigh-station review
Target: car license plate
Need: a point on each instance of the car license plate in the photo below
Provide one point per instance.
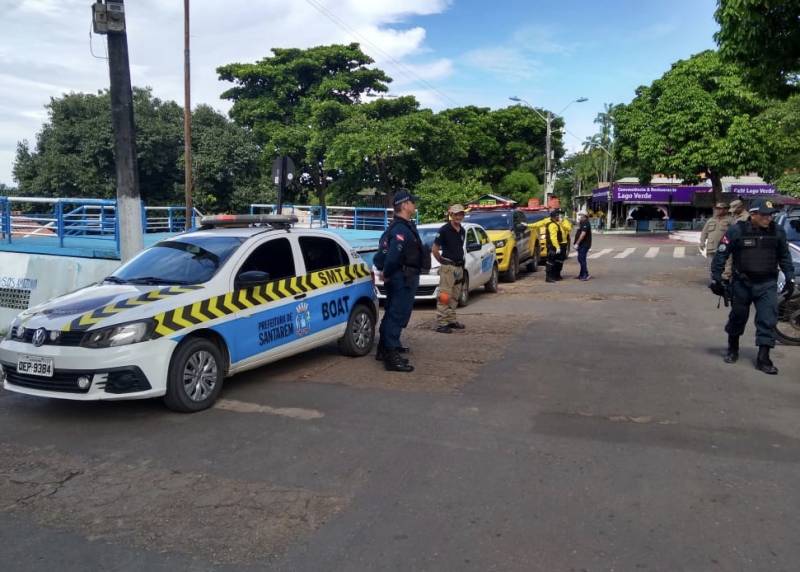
(34, 365)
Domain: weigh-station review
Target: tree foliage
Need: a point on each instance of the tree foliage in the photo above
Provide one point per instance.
(74, 152)
(763, 37)
(699, 118)
(437, 192)
(293, 99)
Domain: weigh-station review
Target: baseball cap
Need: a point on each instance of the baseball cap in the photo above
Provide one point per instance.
(456, 208)
(720, 206)
(402, 196)
(736, 204)
(762, 206)
(555, 212)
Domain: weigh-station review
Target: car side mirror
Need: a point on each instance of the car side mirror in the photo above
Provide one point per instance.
(473, 247)
(252, 278)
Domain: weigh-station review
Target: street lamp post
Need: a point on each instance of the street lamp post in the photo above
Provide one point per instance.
(549, 180)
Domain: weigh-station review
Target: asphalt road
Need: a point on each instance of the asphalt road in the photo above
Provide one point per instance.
(573, 426)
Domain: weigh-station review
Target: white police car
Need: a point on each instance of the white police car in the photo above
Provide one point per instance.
(480, 264)
(193, 309)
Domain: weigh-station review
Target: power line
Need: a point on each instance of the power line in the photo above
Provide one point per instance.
(401, 66)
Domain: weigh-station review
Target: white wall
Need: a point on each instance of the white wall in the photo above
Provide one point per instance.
(47, 277)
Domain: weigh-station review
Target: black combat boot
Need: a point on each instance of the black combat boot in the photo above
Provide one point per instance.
(763, 363)
(381, 353)
(732, 355)
(394, 362)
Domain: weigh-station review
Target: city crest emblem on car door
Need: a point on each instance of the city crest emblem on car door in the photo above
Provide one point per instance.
(302, 320)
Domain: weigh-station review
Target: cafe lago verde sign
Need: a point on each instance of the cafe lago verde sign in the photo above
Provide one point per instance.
(675, 195)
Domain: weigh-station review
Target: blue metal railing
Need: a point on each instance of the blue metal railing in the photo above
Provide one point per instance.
(56, 221)
(314, 216)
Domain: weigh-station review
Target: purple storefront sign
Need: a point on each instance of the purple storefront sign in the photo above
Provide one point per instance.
(650, 195)
(657, 195)
(752, 189)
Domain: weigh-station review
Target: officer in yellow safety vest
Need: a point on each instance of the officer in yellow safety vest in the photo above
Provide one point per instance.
(554, 237)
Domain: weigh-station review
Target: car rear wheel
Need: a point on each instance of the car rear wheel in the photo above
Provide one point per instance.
(195, 376)
(463, 300)
(510, 275)
(491, 285)
(360, 333)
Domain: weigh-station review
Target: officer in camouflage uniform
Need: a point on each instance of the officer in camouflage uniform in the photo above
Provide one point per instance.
(758, 248)
(714, 229)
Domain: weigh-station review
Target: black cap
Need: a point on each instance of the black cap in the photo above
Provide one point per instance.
(555, 212)
(402, 196)
(762, 206)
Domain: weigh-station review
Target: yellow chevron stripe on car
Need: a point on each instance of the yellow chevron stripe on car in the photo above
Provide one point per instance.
(89, 319)
(215, 307)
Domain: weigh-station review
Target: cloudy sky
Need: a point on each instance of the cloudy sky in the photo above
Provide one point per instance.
(446, 52)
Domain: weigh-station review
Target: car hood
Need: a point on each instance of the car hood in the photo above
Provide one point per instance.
(98, 304)
(496, 235)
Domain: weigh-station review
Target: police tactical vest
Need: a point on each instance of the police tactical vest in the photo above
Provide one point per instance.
(758, 252)
(560, 232)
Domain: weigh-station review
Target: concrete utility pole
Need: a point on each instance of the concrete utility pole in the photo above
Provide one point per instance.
(187, 118)
(109, 18)
(549, 180)
(548, 173)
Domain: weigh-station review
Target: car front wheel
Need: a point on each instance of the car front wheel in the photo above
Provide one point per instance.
(360, 333)
(195, 376)
(510, 275)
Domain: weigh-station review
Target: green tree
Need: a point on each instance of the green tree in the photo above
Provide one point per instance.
(699, 118)
(74, 153)
(391, 152)
(763, 37)
(226, 161)
(789, 184)
(289, 98)
(520, 186)
(436, 193)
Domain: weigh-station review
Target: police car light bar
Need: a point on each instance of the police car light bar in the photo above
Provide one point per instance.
(276, 221)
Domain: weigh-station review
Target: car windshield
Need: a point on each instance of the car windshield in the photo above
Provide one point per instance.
(428, 235)
(793, 229)
(535, 216)
(187, 260)
(492, 220)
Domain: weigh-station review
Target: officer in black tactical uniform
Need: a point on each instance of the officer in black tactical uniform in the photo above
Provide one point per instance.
(758, 248)
(401, 258)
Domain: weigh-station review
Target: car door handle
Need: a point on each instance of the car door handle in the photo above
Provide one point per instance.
(300, 296)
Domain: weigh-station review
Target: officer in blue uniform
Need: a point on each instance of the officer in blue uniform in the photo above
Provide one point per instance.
(401, 258)
(758, 248)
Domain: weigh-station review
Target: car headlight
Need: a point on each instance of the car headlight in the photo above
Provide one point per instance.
(120, 335)
(15, 330)
(499, 243)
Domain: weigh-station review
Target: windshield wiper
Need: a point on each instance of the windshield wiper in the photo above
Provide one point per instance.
(156, 280)
(114, 280)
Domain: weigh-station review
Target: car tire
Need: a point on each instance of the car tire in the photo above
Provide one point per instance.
(533, 263)
(511, 274)
(463, 300)
(491, 285)
(195, 376)
(359, 335)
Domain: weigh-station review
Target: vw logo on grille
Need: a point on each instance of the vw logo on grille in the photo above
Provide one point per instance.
(39, 337)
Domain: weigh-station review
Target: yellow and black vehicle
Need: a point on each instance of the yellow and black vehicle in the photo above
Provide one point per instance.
(516, 245)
